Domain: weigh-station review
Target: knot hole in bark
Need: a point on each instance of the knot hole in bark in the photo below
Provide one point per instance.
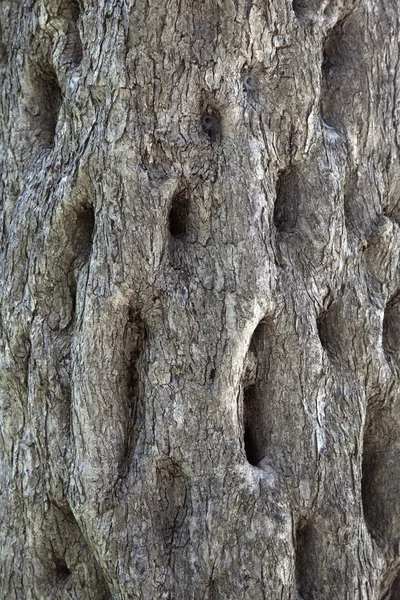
(299, 8)
(342, 57)
(286, 202)
(306, 10)
(61, 569)
(71, 556)
(83, 234)
(134, 340)
(178, 218)
(327, 327)
(254, 400)
(249, 83)
(380, 470)
(43, 105)
(211, 124)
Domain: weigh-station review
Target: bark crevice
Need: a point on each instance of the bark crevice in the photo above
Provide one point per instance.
(255, 402)
(178, 218)
(286, 203)
(135, 336)
(305, 549)
(43, 106)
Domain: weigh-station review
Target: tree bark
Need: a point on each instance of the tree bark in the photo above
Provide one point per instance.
(200, 306)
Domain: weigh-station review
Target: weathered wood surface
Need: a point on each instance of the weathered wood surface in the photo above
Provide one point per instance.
(200, 309)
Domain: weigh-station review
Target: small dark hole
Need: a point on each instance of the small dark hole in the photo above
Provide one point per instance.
(179, 215)
(326, 327)
(322, 330)
(210, 125)
(62, 571)
(299, 6)
(134, 341)
(83, 235)
(249, 84)
(252, 431)
(286, 203)
(75, 9)
(255, 402)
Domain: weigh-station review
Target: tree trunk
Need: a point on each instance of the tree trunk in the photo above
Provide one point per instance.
(200, 344)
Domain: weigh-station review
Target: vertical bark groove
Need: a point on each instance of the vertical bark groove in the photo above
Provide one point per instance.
(305, 548)
(327, 322)
(342, 62)
(179, 221)
(256, 412)
(286, 203)
(134, 349)
(43, 106)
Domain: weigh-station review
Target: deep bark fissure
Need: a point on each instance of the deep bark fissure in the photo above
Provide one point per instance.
(305, 557)
(83, 235)
(286, 203)
(326, 327)
(252, 401)
(62, 571)
(46, 99)
(134, 342)
(340, 60)
(255, 401)
(299, 8)
(174, 505)
(178, 218)
(81, 242)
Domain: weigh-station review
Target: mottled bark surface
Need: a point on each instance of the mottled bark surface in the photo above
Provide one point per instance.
(200, 307)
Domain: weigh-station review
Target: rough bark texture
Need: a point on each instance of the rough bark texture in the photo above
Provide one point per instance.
(200, 307)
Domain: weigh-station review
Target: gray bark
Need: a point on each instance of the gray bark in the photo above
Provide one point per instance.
(200, 306)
